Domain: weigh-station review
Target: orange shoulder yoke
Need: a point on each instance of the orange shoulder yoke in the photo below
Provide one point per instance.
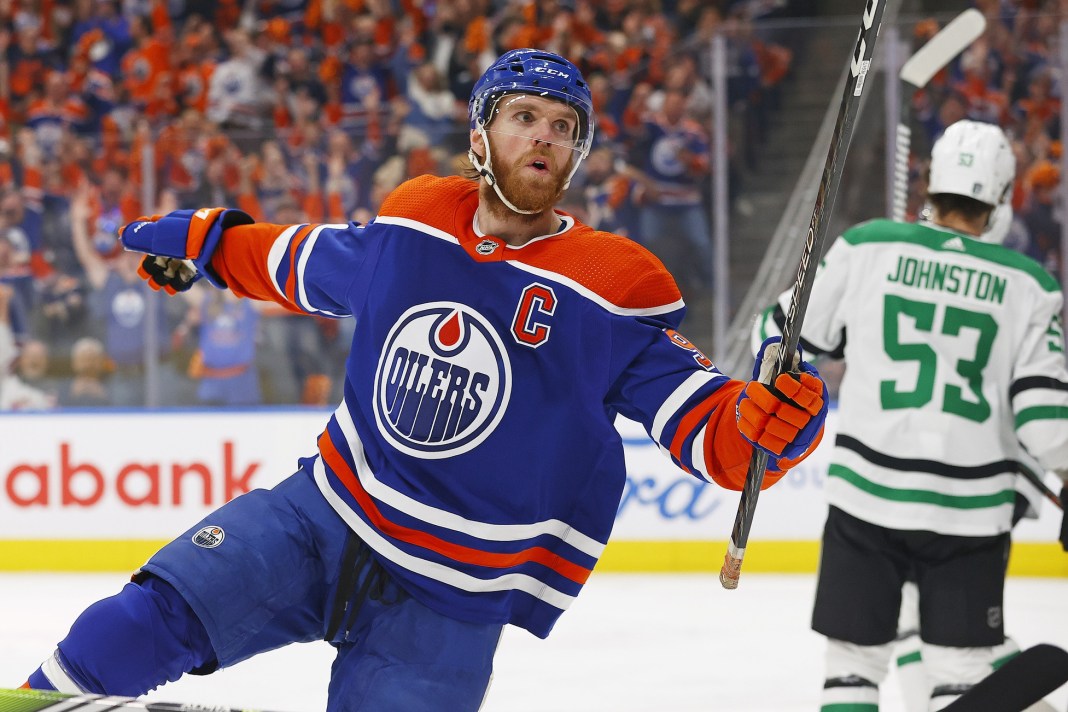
(615, 268)
(433, 201)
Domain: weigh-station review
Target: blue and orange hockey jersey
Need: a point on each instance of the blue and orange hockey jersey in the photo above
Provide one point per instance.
(475, 450)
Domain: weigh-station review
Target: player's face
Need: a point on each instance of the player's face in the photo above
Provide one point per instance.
(532, 140)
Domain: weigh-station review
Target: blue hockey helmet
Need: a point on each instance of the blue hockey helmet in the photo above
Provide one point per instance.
(534, 71)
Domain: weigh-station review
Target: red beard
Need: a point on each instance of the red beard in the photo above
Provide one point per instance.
(536, 193)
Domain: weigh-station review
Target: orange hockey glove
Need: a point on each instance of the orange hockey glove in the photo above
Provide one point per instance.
(785, 419)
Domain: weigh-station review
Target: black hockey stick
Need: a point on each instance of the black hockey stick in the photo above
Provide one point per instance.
(41, 701)
(859, 62)
(1036, 479)
(1017, 684)
(939, 51)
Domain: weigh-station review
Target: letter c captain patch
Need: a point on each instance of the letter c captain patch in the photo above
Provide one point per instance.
(530, 326)
(443, 381)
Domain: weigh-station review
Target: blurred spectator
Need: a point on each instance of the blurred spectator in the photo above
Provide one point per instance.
(14, 394)
(33, 366)
(86, 387)
(101, 33)
(1039, 112)
(673, 153)
(236, 92)
(29, 59)
(433, 109)
(16, 252)
(609, 191)
(299, 76)
(225, 360)
(1039, 215)
(683, 76)
(364, 85)
(55, 113)
(120, 302)
(146, 67)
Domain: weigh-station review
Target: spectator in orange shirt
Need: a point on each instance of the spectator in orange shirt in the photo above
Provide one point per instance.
(1040, 105)
(145, 66)
(29, 59)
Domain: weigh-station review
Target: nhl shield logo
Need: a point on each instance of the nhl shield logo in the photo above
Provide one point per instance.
(486, 247)
(209, 537)
(443, 381)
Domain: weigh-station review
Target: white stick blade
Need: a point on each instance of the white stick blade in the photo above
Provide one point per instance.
(940, 50)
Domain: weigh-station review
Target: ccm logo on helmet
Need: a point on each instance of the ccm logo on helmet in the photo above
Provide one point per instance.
(443, 381)
(550, 70)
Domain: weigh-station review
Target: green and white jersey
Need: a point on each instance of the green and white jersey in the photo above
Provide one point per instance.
(955, 373)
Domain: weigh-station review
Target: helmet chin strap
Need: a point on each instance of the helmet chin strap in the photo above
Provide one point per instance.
(486, 171)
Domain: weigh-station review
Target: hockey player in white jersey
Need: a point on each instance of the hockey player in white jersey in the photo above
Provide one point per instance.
(955, 375)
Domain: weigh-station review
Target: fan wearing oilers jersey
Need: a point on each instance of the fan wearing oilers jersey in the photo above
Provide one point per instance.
(470, 477)
(955, 381)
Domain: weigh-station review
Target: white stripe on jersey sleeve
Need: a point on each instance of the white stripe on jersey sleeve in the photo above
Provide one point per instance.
(305, 255)
(279, 249)
(433, 570)
(449, 520)
(697, 454)
(696, 381)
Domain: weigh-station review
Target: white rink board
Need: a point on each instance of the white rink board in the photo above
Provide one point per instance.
(105, 475)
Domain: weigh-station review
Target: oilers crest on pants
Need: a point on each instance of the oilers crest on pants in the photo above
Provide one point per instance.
(443, 381)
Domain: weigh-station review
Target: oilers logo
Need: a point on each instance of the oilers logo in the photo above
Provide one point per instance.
(443, 381)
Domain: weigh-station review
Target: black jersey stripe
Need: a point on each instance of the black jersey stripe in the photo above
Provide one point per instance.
(1030, 382)
(931, 467)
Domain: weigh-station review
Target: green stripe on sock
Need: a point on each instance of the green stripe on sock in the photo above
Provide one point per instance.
(913, 657)
(1001, 661)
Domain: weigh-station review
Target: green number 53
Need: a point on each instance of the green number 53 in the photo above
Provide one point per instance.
(954, 322)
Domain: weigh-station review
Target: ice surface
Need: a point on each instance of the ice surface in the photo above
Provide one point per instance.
(631, 643)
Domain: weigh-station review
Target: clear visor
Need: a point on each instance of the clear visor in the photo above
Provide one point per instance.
(538, 118)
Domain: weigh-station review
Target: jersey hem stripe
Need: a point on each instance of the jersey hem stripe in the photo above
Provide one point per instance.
(1007, 496)
(449, 520)
(430, 569)
(451, 550)
(932, 467)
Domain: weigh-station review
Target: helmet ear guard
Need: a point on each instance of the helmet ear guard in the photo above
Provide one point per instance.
(997, 228)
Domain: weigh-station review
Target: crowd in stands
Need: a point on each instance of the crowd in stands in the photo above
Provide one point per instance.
(313, 110)
(1008, 77)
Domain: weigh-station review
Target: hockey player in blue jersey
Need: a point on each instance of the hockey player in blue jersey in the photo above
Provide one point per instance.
(470, 477)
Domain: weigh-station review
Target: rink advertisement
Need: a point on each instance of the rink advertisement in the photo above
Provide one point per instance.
(103, 490)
